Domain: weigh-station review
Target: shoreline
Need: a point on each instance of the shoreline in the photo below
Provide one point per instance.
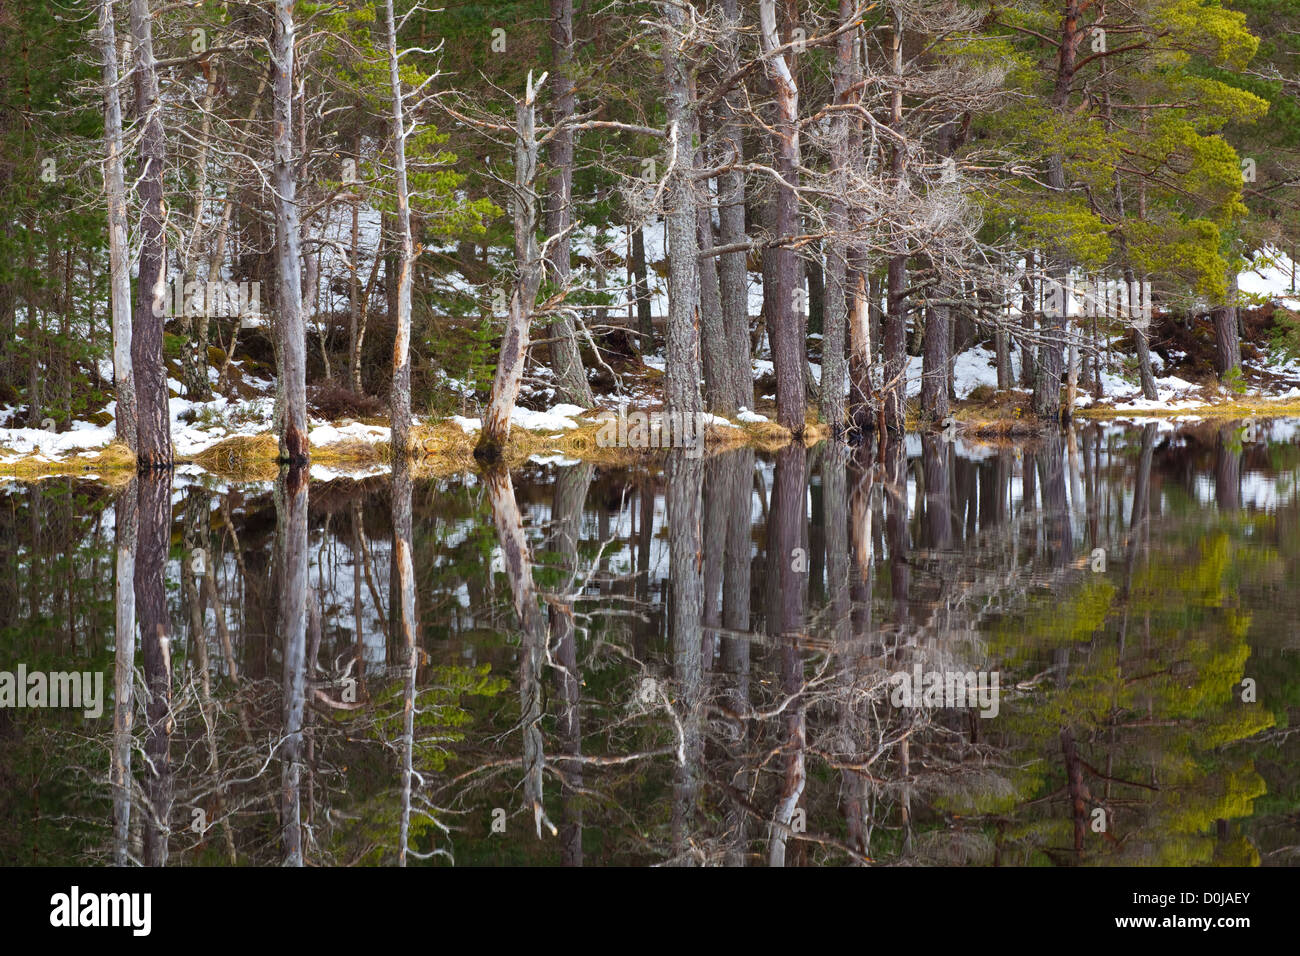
(445, 447)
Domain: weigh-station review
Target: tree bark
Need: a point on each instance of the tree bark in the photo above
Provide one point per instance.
(682, 359)
(894, 386)
(719, 395)
(119, 250)
(291, 332)
(566, 359)
(834, 364)
(514, 346)
(733, 271)
(644, 311)
(400, 401)
(1227, 342)
(153, 442)
(783, 325)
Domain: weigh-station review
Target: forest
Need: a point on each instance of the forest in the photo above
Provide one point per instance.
(239, 222)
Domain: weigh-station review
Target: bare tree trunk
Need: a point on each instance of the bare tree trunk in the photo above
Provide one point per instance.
(194, 353)
(514, 346)
(400, 401)
(1227, 342)
(644, 313)
(1002, 348)
(354, 287)
(119, 252)
(834, 364)
(719, 393)
(1028, 306)
(570, 377)
(1047, 381)
(894, 387)
(291, 333)
(783, 326)
(936, 364)
(733, 272)
(153, 443)
(682, 355)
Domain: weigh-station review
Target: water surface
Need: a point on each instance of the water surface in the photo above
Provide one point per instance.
(692, 662)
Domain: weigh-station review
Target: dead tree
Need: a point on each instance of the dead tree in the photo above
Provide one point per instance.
(291, 332)
(119, 252)
(787, 347)
(400, 400)
(153, 430)
(570, 377)
(523, 299)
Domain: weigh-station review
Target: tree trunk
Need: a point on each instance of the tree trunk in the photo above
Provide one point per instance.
(153, 442)
(783, 325)
(291, 333)
(119, 251)
(1028, 306)
(400, 401)
(835, 312)
(1227, 343)
(566, 359)
(719, 393)
(936, 364)
(644, 311)
(733, 272)
(1047, 381)
(682, 358)
(514, 345)
(894, 387)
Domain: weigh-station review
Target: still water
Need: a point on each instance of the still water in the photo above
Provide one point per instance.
(1079, 650)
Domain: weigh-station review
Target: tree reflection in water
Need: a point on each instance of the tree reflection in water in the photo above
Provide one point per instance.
(686, 663)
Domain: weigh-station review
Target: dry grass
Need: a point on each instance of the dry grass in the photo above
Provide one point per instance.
(242, 457)
(1228, 409)
(114, 463)
(442, 447)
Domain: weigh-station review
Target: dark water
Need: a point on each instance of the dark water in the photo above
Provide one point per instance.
(689, 663)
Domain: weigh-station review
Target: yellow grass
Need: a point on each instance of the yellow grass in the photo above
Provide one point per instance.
(113, 463)
(1229, 409)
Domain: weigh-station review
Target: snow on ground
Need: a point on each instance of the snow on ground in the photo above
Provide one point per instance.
(327, 433)
(49, 445)
(1271, 275)
(557, 417)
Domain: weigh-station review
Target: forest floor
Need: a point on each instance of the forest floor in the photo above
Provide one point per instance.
(229, 437)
